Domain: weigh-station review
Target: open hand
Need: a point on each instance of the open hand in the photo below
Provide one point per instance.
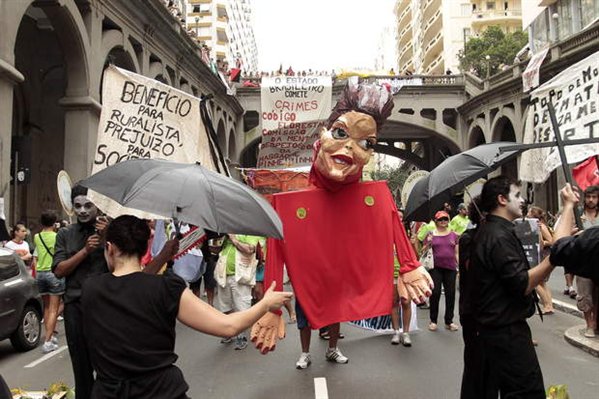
(418, 284)
(569, 194)
(267, 331)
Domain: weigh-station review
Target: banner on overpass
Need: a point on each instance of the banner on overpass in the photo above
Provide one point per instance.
(575, 96)
(144, 118)
(294, 110)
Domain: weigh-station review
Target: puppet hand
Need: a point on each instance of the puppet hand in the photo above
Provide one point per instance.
(266, 332)
(402, 291)
(418, 283)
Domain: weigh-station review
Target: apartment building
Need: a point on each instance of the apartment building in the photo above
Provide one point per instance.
(226, 27)
(431, 33)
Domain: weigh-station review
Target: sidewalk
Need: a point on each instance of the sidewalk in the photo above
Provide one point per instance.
(573, 335)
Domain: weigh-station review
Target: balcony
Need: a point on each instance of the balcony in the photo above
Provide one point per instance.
(432, 27)
(405, 55)
(401, 5)
(430, 7)
(436, 67)
(434, 47)
(495, 17)
(401, 21)
(221, 36)
(405, 36)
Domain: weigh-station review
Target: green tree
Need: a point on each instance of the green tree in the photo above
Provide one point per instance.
(500, 47)
(395, 177)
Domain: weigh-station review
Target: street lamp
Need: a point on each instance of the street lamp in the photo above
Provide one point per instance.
(488, 58)
(197, 19)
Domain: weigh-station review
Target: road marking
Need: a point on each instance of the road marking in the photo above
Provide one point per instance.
(320, 388)
(46, 357)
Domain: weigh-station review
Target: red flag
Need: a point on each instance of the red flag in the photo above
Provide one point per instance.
(586, 174)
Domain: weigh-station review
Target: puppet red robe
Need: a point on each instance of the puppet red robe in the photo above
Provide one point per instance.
(338, 248)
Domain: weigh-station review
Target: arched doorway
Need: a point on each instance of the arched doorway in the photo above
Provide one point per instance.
(50, 53)
(504, 131)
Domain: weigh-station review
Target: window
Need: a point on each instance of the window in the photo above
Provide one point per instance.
(490, 5)
(467, 34)
(465, 10)
(589, 12)
(8, 267)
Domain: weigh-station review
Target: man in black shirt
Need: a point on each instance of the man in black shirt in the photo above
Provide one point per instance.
(502, 294)
(577, 254)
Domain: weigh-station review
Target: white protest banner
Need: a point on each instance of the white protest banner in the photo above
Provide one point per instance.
(575, 96)
(530, 76)
(294, 110)
(144, 118)
(397, 83)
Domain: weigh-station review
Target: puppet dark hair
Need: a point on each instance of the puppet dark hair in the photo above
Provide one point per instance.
(372, 99)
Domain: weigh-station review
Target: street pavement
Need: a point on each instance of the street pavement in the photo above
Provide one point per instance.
(430, 369)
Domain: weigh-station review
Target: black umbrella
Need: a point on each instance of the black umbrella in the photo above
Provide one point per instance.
(452, 175)
(187, 192)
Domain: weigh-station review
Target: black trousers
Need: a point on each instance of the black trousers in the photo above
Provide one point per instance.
(82, 366)
(446, 278)
(510, 364)
(472, 377)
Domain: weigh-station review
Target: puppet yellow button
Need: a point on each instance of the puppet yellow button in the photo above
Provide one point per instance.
(301, 213)
(369, 200)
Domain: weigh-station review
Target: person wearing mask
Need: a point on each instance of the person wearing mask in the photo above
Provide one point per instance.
(50, 287)
(125, 304)
(502, 296)
(444, 244)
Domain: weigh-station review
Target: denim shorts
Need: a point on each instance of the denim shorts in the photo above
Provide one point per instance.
(49, 284)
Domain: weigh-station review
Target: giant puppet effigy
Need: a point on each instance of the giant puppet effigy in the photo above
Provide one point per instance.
(341, 234)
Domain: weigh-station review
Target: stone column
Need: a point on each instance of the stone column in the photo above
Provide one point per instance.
(82, 116)
(9, 76)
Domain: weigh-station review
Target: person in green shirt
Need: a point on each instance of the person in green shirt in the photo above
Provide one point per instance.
(50, 287)
(460, 222)
(234, 290)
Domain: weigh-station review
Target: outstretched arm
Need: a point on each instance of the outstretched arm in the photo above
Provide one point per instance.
(418, 283)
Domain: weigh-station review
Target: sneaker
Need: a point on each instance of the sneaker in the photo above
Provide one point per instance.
(405, 339)
(241, 343)
(432, 326)
(49, 346)
(572, 292)
(451, 327)
(395, 339)
(54, 340)
(60, 318)
(335, 355)
(567, 291)
(304, 361)
(226, 340)
(589, 333)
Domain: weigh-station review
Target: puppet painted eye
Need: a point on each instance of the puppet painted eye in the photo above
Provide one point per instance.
(339, 134)
(367, 144)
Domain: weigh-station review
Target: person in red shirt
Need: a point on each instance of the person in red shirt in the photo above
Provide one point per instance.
(340, 233)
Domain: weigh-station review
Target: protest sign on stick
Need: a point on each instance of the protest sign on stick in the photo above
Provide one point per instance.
(294, 110)
(574, 95)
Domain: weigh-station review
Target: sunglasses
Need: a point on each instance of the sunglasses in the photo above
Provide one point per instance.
(443, 220)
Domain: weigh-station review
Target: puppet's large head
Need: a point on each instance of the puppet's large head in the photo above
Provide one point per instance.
(346, 145)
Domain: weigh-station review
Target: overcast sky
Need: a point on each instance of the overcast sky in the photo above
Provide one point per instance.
(319, 34)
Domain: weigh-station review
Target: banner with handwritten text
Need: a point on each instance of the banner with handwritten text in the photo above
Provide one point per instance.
(574, 94)
(294, 110)
(144, 118)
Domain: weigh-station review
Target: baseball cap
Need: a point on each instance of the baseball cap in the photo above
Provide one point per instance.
(441, 214)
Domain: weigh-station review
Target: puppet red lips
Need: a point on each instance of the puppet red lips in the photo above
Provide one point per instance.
(342, 159)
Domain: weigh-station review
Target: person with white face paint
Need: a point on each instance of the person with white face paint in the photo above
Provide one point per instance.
(79, 255)
(502, 291)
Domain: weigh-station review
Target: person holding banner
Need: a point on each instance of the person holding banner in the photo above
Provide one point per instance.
(338, 229)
